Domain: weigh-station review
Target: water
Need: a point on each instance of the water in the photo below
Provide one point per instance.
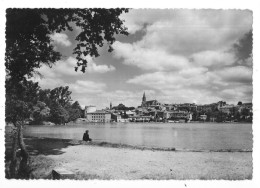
(193, 136)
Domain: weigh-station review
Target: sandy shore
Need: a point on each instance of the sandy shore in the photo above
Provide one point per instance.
(103, 162)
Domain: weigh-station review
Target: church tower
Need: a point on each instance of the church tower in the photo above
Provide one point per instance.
(144, 99)
(110, 105)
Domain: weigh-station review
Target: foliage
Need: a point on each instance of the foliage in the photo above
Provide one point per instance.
(131, 108)
(59, 114)
(76, 105)
(28, 36)
(44, 96)
(74, 111)
(60, 95)
(74, 114)
(17, 111)
(20, 98)
(28, 99)
(195, 116)
(40, 112)
(185, 108)
(246, 115)
(239, 103)
(27, 43)
(123, 107)
(220, 117)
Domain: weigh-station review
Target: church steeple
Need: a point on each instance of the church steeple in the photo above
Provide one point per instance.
(110, 105)
(144, 99)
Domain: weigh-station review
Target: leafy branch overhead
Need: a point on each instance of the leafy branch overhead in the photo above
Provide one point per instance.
(28, 42)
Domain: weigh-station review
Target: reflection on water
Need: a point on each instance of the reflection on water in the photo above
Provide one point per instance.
(197, 136)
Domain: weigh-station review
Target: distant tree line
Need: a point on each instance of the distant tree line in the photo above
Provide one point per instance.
(40, 105)
(123, 107)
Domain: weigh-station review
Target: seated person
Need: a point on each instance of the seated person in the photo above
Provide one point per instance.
(86, 137)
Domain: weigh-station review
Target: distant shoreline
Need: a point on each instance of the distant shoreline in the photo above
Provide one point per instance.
(84, 122)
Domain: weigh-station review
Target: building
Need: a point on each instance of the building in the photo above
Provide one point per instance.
(203, 117)
(187, 107)
(177, 115)
(227, 109)
(151, 103)
(140, 118)
(98, 116)
(173, 115)
(89, 109)
(248, 106)
(205, 107)
(130, 113)
(116, 117)
(221, 103)
(211, 107)
(169, 107)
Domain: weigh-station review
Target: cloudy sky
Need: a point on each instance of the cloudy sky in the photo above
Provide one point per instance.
(175, 56)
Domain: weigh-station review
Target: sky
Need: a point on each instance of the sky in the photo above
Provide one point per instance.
(173, 55)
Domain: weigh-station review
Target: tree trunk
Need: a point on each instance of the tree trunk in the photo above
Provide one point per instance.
(22, 171)
(12, 167)
(24, 166)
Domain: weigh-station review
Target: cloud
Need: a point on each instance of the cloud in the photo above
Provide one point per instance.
(67, 68)
(103, 99)
(49, 82)
(93, 67)
(61, 39)
(148, 59)
(188, 55)
(177, 39)
(200, 85)
(182, 56)
(189, 31)
(240, 93)
(87, 87)
(170, 80)
(190, 72)
(240, 74)
(77, 87)
(243, 47)
(213, 58)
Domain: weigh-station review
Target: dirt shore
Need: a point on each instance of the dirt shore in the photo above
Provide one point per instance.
(103, 162)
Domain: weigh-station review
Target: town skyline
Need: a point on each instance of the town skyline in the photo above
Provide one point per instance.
(112, 105)
(155, 111)
(175, 55)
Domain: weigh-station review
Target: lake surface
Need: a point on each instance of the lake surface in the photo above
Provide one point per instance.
(191, 136)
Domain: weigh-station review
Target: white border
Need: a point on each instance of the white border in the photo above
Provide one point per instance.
(217, 4)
